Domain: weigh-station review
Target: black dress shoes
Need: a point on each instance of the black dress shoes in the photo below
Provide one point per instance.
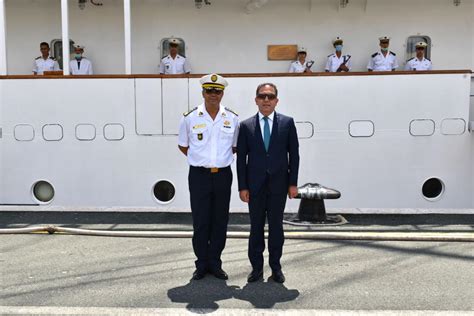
(220, 274)
(255, 275)
(278, 276)
(199, 274)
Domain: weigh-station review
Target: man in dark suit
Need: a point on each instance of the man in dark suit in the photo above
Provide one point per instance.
(267, 168)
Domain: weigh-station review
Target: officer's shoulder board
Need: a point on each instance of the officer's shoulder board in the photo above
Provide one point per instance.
(37, 57)
(374, 54)
(189, 112)
(52, 58)
(426, 59)
(330, 55)
(231, 111)
(410, 59)
(393, 53)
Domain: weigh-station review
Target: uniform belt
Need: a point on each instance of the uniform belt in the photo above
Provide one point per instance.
(211, 170)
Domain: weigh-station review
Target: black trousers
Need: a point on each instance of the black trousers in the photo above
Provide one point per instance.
(266, 205)
(210, 199)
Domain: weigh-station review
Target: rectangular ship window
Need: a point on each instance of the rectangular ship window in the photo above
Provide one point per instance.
(411, 46)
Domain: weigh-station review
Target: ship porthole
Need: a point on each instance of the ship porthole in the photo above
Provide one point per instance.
(43, 192)
(433, 189)
(164, 192)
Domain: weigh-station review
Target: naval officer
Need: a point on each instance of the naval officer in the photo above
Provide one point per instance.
(44, 62)
(337, 62)
(300, 64)
(419, 62)
(80, 65)
(383, 60)
(174, 64)
(208, 137)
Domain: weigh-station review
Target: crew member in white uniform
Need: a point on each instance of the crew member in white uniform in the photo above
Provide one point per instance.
(80, 65)
(300, 64)
(174, 64)
(44, 62)
(337, 62)
(383, 60)
(419, 62)
(208, 137)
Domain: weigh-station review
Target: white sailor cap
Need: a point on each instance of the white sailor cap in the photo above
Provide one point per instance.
(213, 81)
(384, 38)
(174, 41)
(301, 49)
(77, 46)
(337, 40)
(421, 44)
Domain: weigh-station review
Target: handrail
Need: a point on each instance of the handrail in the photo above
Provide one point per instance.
(246, 75)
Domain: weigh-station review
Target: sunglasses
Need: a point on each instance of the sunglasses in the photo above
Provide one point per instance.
(213, 91)
(263, 96)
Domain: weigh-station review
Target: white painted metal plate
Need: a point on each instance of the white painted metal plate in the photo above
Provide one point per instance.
(361, 128)
(52, 132)
(422, 127)
(175, 103)
(85, 132)
(148, 106)
(114, 131)
(24, 132)
(453, 126)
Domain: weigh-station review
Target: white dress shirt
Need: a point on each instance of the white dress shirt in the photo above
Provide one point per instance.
(333, 62)
(178, 65)
(296, 66)
(82, 68)
(379, 62)
(41, 65)
(262, 122)
(210, 141)
(416, 64)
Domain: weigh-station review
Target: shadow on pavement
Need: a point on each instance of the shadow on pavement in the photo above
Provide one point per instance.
(202, 296)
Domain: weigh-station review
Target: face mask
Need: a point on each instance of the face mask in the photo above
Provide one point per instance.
(78, 56)
(338, 48)
(384, 49)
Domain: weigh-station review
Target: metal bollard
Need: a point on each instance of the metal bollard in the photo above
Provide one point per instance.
(312, 209)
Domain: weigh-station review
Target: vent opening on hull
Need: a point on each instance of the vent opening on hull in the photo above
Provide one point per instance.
(164, 191)
(433, 189)
(43, 192)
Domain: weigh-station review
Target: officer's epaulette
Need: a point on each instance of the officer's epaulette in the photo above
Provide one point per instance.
(393, 53)
(52, 58)
(410, 59)
(374, 54)
(231, 111)
(330, 55)
(189, 112)
(37, 57)
(426, 59)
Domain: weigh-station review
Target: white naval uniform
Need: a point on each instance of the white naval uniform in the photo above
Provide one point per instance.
(170, 66)
(416, 64)
(210, 141)
(84, 68)
(296, 66)
(379, 62)
(41, 65)
(333, 62)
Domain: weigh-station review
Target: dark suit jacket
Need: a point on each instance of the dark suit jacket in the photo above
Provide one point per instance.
(279, 166)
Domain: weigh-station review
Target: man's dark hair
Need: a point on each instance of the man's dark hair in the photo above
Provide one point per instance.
(260, 86)
(44, 44)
